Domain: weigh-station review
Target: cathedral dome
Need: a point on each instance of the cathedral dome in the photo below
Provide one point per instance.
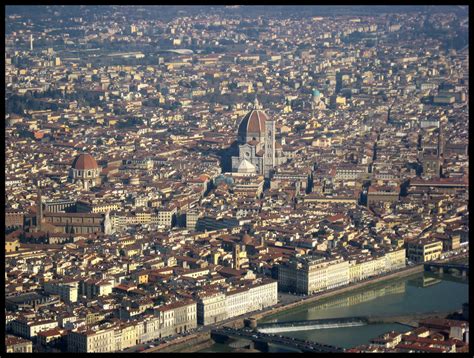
(84, 162)
(253, 124)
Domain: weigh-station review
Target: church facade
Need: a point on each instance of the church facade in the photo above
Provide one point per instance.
(259, 152)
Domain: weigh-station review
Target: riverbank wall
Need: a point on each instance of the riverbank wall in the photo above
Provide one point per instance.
(192, 343)
(203, 341)
(307, 300)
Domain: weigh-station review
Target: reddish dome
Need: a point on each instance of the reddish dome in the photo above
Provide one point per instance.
(253, 122)
(84, 162)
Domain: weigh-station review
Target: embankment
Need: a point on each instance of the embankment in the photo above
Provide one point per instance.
(191, 343)
(304, 301)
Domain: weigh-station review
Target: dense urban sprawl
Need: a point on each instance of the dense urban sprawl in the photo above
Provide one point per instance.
(164, 175)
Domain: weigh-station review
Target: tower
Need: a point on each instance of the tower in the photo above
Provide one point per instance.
(441, 140)
(431, 163)
(31, 42)
(269, 159)
(287, 108)
(39, 210)
(315, 96)
(236, 256)
(108, 227)
(389, 111)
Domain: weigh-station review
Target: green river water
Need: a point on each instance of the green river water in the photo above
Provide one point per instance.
(423, 292)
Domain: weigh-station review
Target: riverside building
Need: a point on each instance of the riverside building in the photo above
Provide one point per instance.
(251, 298)
(312, 274)
(424, 250)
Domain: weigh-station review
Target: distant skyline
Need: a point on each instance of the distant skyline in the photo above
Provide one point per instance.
(146, 11)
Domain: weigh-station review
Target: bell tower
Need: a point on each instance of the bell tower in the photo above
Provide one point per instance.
(269, 159)
(236, 256)
(39, 210)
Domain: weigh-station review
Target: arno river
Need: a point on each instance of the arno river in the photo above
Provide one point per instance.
(423, 292)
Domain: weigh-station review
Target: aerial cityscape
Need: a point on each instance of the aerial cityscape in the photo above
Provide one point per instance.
(236, 179)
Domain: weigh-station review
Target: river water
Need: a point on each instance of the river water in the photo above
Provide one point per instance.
(418, 293)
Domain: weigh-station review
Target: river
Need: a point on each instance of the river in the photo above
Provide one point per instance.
(418, 293)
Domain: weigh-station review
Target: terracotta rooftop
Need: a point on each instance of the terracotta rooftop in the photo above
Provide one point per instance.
(253, 122)
(84, 162)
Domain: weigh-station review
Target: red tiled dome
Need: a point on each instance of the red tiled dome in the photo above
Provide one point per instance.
(84, 162)
(253, 122)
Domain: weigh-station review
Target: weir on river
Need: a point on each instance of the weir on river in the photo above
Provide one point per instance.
(293, 326)
(396, 305)
(341, 322)
(309, 327)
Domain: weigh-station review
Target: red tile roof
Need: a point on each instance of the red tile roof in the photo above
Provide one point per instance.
(84, 162)
(253, 122)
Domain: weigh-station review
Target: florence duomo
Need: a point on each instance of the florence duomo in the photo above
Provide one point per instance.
(258, 151)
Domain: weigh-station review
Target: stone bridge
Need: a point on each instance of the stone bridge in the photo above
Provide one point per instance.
(442, 267)
(260, 341)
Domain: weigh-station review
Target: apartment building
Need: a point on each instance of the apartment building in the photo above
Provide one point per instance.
(395, 260)
(164, 216)
(95, 288)
(365, 267)
(15, 344)
(12, 244)
(14, 218)
(382, 194)
(29, 329)
(67, 290)
(96, 206)
(424, 250)
(149, 328)
(312, 274)
(251, 298)
(177, 317)
(126, 336)
(89, 341)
